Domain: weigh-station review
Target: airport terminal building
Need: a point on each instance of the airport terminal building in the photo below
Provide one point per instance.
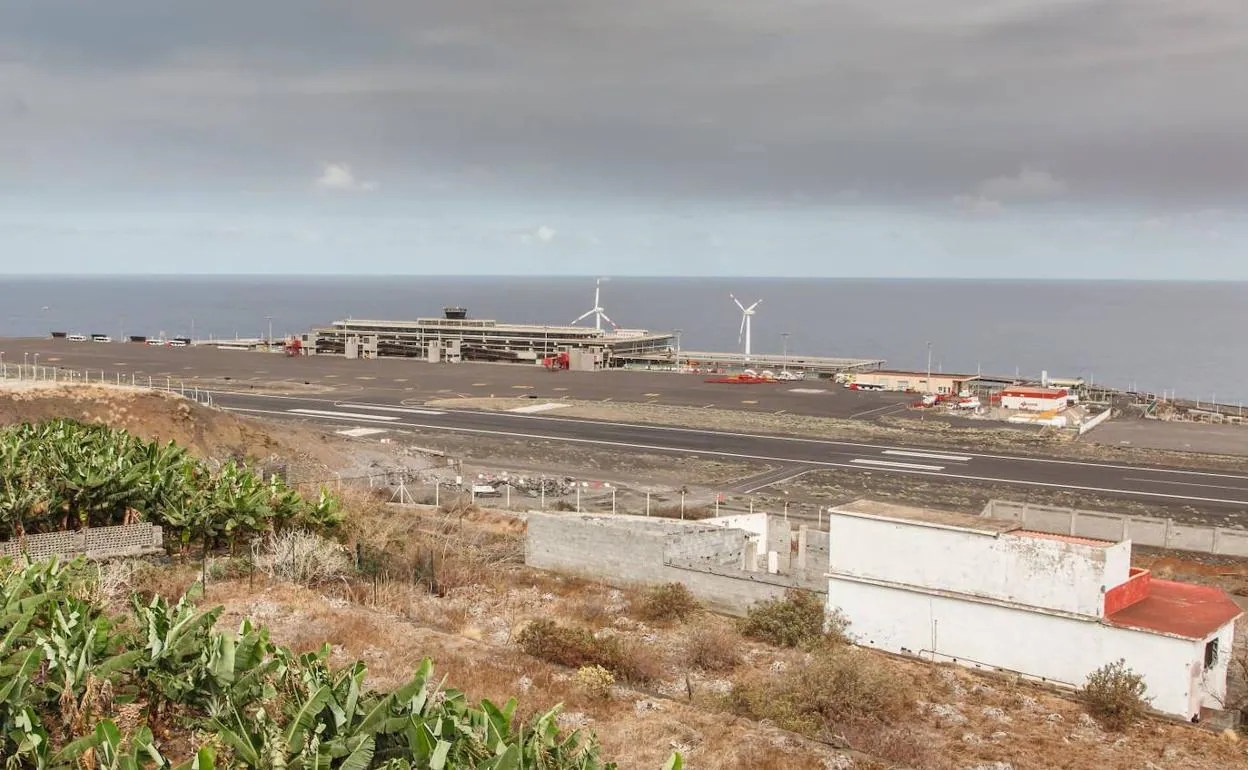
(455, 337)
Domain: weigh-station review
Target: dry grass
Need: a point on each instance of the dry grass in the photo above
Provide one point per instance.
(576, 647)
(835, 687)
(666, 603)
(712, 648)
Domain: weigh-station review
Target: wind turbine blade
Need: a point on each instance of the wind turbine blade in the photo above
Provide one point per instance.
(741, 331)
(751, 307)
(607, 318)
(584, 315)
(734, 299)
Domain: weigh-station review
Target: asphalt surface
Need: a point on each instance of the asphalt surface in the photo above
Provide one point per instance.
(392, 379)
(794, 455)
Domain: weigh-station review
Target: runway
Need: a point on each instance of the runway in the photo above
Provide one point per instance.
(793, 456)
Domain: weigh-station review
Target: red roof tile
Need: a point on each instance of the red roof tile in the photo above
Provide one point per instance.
(1179, 609)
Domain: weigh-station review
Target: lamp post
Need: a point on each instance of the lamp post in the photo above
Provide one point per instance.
(678, 350)
(929, 367)
(268, 341)
(785, 338)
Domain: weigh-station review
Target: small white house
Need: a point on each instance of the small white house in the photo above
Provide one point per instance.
(985, 593)
(1035, 399)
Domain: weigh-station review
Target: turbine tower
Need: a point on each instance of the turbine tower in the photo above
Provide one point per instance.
(746, 314)
(596, 311)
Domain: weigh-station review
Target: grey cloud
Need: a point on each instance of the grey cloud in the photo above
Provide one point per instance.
(909, 100)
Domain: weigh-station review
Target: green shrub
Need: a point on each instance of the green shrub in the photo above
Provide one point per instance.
(577, 648)
(797, 620)
(667, 603)
(1115, 695)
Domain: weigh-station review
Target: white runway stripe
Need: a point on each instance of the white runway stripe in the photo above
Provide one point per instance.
(344, 415)
(907, 466)
(927, 455)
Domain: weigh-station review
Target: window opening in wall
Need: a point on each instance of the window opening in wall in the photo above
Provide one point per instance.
(1211, 653)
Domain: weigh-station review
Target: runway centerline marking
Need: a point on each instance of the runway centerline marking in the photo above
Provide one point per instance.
(790, 439)
(888, 464)
(927, 455)
(344, 415)
(382, 408)
(816, 464)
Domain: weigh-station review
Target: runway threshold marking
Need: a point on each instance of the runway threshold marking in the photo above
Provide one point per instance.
(344, 415)
(887, 464)
(927, 455)
(913, 470)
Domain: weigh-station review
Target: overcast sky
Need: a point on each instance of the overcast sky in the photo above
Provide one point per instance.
(1074, 138)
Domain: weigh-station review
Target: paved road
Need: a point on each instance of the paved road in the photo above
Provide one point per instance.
(391, 378)
(793, 455)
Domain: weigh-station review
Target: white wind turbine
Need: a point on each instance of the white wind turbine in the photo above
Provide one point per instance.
(746, 314)
(596, 311)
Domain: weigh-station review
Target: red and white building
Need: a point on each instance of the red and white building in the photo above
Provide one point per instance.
(1026, 399)
(985, 593)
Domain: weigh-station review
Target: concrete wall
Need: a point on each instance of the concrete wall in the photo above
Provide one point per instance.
(1088, 425)
(1141, 530)
(94, 543)
(1056, 575)
(990, 635)
(625, 550)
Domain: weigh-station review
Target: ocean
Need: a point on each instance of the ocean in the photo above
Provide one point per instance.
(1154, 336)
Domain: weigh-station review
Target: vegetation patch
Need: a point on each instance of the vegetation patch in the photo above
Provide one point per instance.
(62, 475)
(1115, 695)
(837, 687)
(82, 688)
(575, 648)
(667, 603)
(797, 620)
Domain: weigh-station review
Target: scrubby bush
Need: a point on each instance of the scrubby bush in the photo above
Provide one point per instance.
(839, 685)
(300, 557)
(666, 603)
(712, 648)
(576, 647)
(1115, 695)
(595, 680)
(797, 620)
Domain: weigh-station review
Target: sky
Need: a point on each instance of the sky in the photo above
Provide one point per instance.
(908, 138)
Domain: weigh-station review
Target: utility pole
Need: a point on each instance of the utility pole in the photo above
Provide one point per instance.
(678, 350)
(268, 341)
(785, 337)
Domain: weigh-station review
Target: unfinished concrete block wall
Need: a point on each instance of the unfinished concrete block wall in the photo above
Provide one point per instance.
(813, 554)
(628, 550)
(714, 547)
(1140, 530)
(95, 543)
(594, 546)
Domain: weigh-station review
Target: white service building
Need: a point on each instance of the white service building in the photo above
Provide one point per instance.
(1035, 399)
(985, 593)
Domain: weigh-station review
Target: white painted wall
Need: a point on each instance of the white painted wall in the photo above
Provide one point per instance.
(1062, 649)
(1052, 574)
(1213, 680)
(1032, 404)
(754, 523)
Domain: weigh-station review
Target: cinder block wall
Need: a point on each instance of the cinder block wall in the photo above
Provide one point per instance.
(630, 550)
(95, 543)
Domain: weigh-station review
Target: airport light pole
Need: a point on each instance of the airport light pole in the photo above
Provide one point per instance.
(268, 341)
(929, 367)
(785, 338)
(678, 350)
